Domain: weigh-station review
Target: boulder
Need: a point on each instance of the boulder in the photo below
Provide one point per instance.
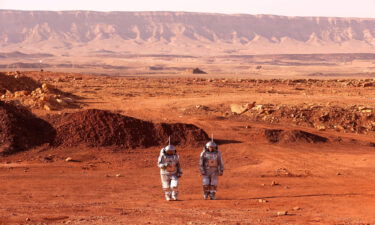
(240, 109)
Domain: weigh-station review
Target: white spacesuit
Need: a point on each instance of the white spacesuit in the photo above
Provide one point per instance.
(211, 166)
(170, 171)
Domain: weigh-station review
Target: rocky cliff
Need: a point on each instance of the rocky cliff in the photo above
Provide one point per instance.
(182, 32)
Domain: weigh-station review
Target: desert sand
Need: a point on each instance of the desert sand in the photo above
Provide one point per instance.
(316, 166)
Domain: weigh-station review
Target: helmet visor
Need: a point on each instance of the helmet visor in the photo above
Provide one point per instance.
(169, 151)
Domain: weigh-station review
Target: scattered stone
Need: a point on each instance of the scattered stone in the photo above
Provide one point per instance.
(262, 200)
(274, 183)
(282, 213)
(283, 172)
(202, 107)
(48, 107)
(296, 208)
(18, 94)
(69, 159)
(240, 109)
(258, 107)
(119, 175)
(339, 128)
(48, 158)
(354, 119)
(47, 87)
(320, 127)
(33, 94)
(60, 101)
(365, 109)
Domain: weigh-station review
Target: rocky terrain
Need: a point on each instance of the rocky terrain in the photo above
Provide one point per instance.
(297, 151)
(33, 94)
(356, 119)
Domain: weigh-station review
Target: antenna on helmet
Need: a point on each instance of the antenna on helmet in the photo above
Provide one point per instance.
(212, 137)
(169, 140)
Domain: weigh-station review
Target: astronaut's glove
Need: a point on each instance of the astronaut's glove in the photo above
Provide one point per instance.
(164, 166)
(179, 175)
(221, 173)
(203, 173)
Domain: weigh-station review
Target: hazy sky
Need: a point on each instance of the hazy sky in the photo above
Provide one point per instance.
(341, 8)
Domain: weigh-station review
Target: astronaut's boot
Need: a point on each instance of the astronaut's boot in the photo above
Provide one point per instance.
(174, 194)
(206, 192)
(167, 194)
(213, 192)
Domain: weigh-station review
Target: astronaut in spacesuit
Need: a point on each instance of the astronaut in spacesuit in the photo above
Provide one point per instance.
(211, 166)
(170, 171)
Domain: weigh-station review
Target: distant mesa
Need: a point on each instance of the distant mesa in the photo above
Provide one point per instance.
(174, 33)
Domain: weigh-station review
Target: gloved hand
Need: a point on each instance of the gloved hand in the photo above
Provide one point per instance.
(179, 175)
(203, 173)
(221, 173)
(164, 166)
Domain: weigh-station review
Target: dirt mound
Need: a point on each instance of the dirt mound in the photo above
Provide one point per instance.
(302, 136)
(180, 133)
(291, 136)
(21, 130)
(272, 135)
(32, 94)
(98, 128)
(101, 128)
(15, 82)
